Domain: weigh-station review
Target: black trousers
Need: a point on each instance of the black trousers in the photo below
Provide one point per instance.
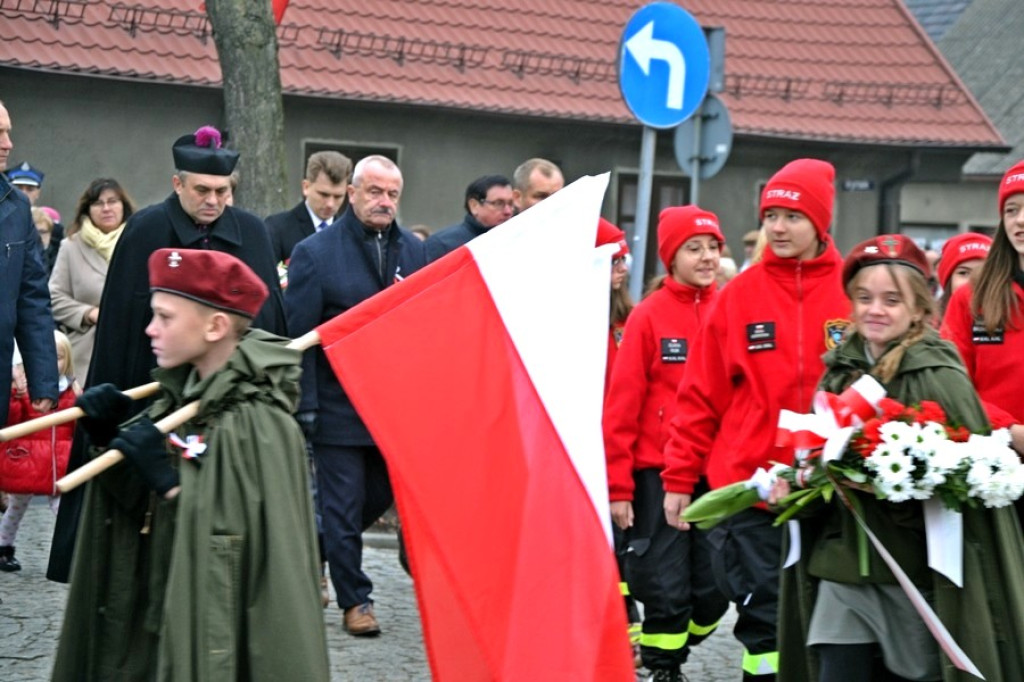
(746, 562)
(670, 573)
(354, 491)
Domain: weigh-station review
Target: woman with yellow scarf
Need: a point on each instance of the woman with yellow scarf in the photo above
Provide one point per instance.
(81, 268)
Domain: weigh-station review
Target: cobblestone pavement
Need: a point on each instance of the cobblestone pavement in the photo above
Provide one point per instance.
(32, 608)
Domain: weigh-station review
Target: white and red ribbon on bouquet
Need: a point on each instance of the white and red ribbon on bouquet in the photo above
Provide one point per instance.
(833, 421)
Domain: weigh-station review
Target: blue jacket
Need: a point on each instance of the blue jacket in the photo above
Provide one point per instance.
(24, 300)
(452, 237)
(330, 272)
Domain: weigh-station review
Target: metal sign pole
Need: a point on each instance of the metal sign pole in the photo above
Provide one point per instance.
(645, 182)
(695, 173)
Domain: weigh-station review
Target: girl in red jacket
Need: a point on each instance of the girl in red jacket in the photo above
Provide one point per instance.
(758, 352)
(668, 571)
(962, 257)
(621, 304)
(32, 465)
(985, 319)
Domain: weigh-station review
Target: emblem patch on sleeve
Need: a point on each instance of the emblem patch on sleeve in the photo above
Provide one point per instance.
(835, 330)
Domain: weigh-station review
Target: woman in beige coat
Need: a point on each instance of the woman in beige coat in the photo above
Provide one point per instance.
(81, 268)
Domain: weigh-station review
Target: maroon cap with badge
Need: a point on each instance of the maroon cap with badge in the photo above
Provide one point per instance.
(886, 248)
(213, 278)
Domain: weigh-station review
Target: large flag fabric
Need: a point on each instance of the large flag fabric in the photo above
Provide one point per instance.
(481, 379)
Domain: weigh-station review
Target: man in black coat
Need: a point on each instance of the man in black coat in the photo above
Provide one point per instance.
(195, 216)
(323, 191)
(361, 254)
(489, 203)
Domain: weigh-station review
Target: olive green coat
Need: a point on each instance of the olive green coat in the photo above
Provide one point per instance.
(986, 616)
(224, 585)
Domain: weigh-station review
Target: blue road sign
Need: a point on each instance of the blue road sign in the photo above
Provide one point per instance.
(664, 65)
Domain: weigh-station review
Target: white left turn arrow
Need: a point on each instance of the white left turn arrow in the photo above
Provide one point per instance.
(645, 48)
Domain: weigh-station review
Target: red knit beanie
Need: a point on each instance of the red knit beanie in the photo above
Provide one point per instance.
(1012, 183)
(677, 224)
(961, 248)
(805, 185)
(607, 233)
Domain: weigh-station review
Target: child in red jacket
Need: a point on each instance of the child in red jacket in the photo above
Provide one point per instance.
(758, 352)
(32, 464)
(668, 571)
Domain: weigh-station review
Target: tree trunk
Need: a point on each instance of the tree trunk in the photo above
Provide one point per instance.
(246, 40)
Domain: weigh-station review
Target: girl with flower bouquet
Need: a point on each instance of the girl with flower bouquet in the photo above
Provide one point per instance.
(845, 620)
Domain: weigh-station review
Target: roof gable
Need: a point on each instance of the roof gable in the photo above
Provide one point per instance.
(857, 71)
(978, 46)
(937, 16)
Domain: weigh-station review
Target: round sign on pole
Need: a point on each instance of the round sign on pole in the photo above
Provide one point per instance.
(664, 65)
(715, 139)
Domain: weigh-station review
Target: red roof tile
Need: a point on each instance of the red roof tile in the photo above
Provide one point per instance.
(839, 70)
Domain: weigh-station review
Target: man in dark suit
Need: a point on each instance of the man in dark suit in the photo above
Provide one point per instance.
(361, 254)
(323, 191)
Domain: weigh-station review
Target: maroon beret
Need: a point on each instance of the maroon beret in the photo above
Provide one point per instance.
(885, 248)
(212, 278)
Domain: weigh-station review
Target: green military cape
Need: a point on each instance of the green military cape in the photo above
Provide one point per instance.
(986, 616)
(225, 584)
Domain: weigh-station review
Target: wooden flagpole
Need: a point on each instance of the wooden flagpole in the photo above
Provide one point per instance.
(166, 425)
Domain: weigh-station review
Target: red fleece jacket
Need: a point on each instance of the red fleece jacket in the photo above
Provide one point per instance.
(993, 361)
(759, 352)
(643, 385)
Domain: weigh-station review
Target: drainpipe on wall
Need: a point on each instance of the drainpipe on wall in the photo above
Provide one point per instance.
(889, 195)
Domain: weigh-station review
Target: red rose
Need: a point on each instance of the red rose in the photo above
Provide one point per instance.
(931, 411)
(959, 434)
(891, 410)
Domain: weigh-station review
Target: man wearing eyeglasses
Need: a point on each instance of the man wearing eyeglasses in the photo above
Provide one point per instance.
(489, 202)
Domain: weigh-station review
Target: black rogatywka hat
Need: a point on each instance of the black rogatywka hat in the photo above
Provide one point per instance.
(201, 152)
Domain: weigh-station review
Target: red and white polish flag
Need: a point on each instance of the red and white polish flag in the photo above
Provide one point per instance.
(481, 379)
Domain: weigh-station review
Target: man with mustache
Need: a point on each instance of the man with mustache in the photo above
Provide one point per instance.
(358, 255)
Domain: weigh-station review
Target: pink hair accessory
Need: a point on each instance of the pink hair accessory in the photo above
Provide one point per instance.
(52, 212)
(208, 136)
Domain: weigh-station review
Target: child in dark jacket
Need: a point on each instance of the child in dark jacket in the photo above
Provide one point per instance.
(32, 464)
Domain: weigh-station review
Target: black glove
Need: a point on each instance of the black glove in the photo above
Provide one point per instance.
(105, 407)
(307, 422)
(146, 448)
